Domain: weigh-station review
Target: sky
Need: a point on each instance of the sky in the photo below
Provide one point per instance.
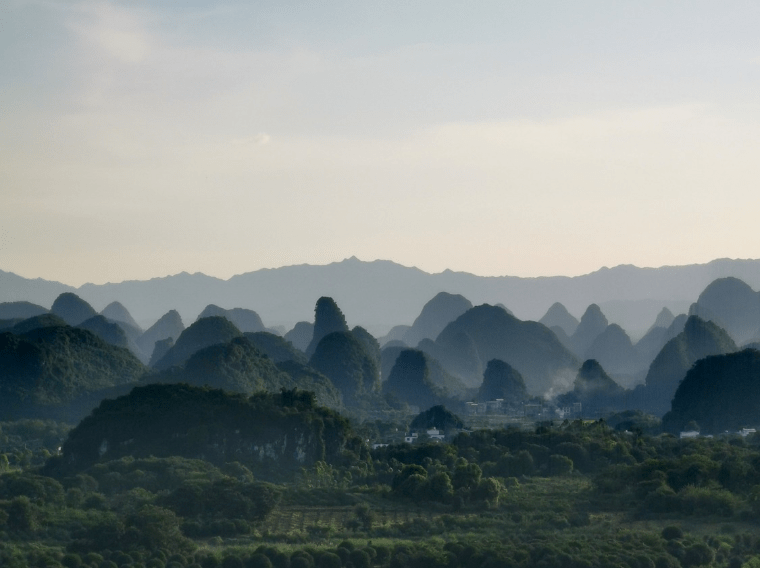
(141, 139)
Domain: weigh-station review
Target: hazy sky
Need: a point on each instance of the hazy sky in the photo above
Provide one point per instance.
(141, 139)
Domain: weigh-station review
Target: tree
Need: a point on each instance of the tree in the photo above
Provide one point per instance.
(157, 528)
(466, 476)
(344, 360)
(560, 465)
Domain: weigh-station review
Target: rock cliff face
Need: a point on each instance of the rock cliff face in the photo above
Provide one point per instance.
(269, 433)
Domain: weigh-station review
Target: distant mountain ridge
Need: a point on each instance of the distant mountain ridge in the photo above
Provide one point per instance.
(383, 293)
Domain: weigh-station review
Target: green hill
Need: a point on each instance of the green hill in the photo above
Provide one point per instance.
(72, 309)
(245, 320)
(203, 333)
(236, 366)
(733, 305)
(239, 366)
(438, 375)
(719, 393)
(44, 320)
(117, 312)
(328, 319)
(698, 339)
(488, 332)
(410, 380)
(22, 310)
(435, 315)
(308, 379)
(276, 347)
(502, 381)
(51, 366)
(108, 331)
(341, 357)
(271, 434)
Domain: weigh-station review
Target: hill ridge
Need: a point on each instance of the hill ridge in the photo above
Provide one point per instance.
(383, 293)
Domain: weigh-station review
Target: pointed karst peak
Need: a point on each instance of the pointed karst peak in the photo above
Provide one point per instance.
(593, 379)
(328, 319)
(594, 316)
(72, 309)
(117, 312)
(592, 324)
(410, 380)
(168, 325)
(342, 357)
(558, 315)
(698, 339)
(591, 369)
(435, 315)
(698, 328)
(614, 350)
(664, 319)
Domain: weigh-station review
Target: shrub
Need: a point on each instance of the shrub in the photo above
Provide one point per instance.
(672, 532)
(359, 559)
(560, 465)
(698, 555)
(707, 501)
(258, 560)
(71, 560)
(329, 560)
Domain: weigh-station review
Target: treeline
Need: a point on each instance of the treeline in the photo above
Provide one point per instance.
(505, 497)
